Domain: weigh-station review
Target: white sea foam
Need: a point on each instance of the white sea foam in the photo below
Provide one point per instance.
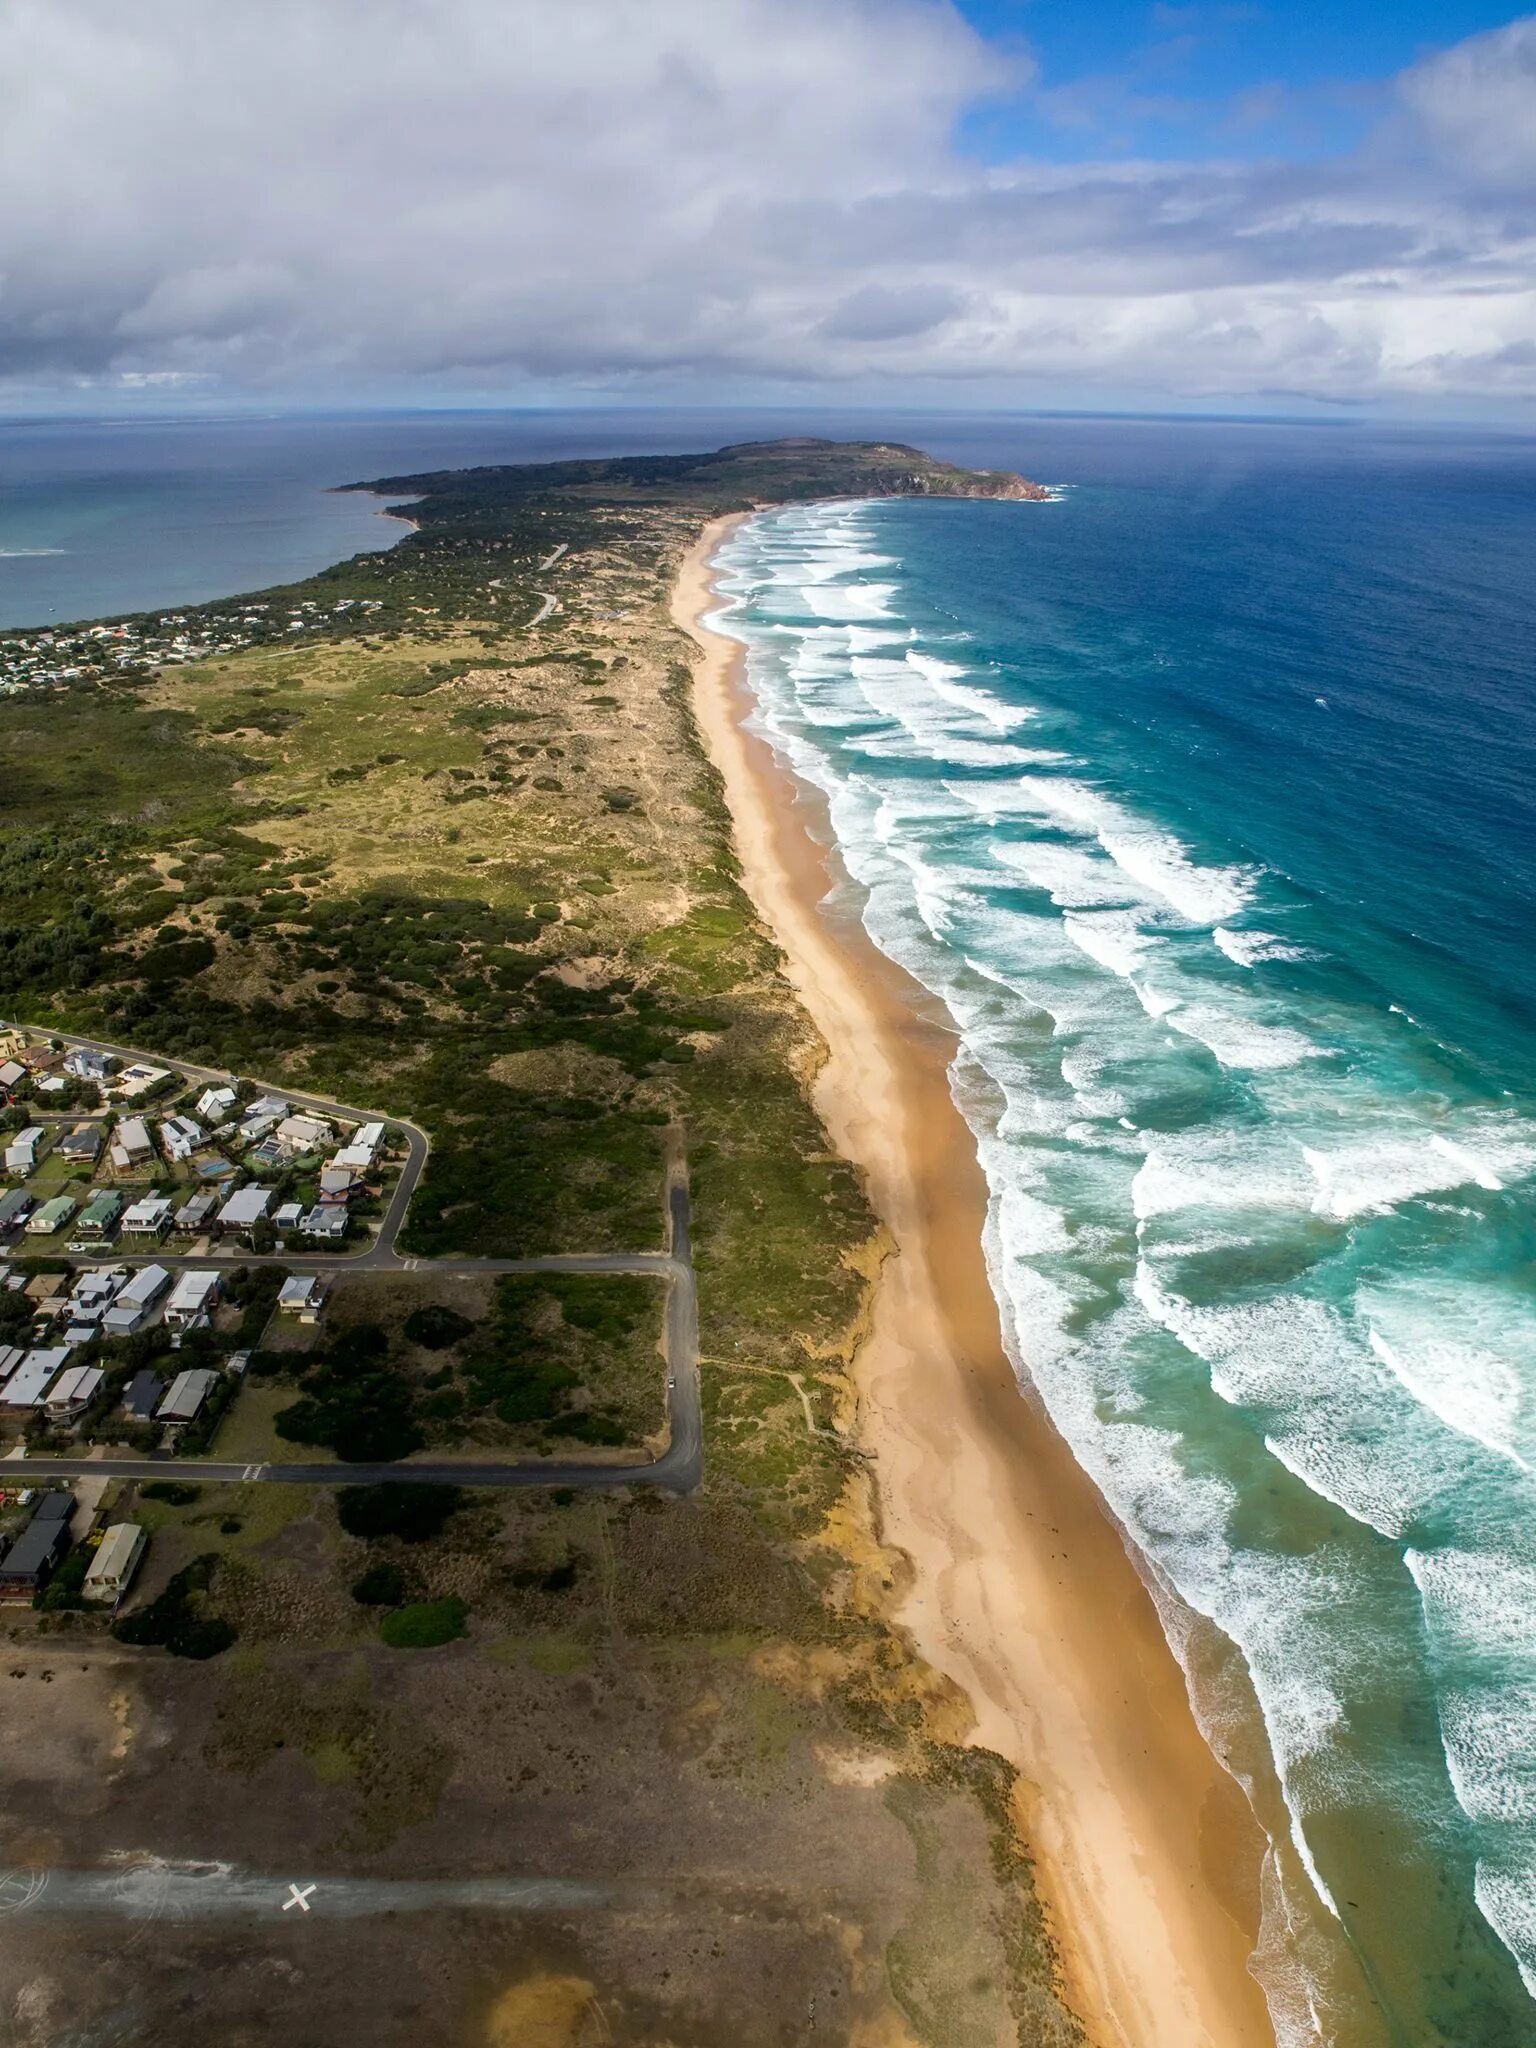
(1247, 949)
(1378, 1172)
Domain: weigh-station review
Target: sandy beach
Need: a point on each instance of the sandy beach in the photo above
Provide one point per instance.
(1021, 1590)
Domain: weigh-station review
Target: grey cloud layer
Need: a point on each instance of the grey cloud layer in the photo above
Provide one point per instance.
(344, 192)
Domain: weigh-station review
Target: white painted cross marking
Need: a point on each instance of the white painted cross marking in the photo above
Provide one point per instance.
(300, 1898)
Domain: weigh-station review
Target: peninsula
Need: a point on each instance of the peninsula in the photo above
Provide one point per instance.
(864, 1732)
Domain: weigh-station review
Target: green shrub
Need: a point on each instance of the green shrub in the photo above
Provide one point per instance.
(424, 1624)
(414, 1513)
(435, 1326)
(382, 1585)
(176, 1493)
(183, 1619)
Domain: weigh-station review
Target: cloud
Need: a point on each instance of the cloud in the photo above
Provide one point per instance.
(479, 194)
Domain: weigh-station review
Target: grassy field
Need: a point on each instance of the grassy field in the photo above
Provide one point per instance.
(481, 876)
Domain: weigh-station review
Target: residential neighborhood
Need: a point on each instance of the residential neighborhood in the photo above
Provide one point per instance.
(128, 1224)
(138, 647)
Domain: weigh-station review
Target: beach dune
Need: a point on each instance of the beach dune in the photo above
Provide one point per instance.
(1021, 1589)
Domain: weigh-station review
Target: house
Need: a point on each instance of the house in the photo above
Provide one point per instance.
(304, 1133)
(44, 1287)
(327, 1225)
(245, 1208)
(32, 1378)
(179, 1137)
(53, 1084)
(81, 1143)
(100, 1214)
(192, 1296)
(288, 1216)
(118, 1556)
(361, 1149)
(74, 1389)
(12, 1072)
(268, 1155)
(302, 1296)
(150, 1217)
(131, 1309)
(131, 1144)
(29, 1564)
(96, 1289)
(188, 1393)
(87, 1065)
(50, 1217)
(336, 1184)
(21, 1153)
(214, 1104)
(138, 1079)
(141, 1396)
(11, 1356)
(15, 1206)
(195, 1213)
(273, 1106)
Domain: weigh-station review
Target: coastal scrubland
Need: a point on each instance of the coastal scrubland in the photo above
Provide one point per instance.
(476, 871)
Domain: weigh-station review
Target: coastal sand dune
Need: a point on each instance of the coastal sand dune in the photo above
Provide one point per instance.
(1021, 1589)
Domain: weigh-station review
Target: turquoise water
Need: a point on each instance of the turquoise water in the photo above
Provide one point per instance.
(1203, 797)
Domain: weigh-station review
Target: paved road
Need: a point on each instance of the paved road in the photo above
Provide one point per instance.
(679, 1468)
(380, 1254)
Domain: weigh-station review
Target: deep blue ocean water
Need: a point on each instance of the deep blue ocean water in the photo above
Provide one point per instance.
(1205, 799)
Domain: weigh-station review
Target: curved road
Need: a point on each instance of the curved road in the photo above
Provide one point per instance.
(680, 1467)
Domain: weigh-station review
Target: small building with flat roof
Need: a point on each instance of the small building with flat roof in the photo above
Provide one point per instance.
(118, 1556)
(32, 1378)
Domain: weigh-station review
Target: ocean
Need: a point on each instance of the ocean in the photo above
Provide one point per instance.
(1204, 799)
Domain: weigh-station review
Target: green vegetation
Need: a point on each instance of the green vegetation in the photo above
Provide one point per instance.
(481, 878)
(355, 1401)
(184, 1618)
(382, 1585)
(413, 1513)
(424, 1624)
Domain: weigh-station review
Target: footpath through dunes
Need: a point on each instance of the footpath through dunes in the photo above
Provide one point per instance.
(390, 842)
(1020, 1589)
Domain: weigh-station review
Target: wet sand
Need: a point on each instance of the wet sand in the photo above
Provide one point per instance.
(1021, 1588)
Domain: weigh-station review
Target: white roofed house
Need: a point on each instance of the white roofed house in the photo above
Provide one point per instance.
(327, 1225)
(86, 1064)
(131, 1144)
(336, 1183)
(135, 1300)
(21, 1153)
(192, 1297)
(301, 1134)
(12, 1072)
(150, 1217)
(179, 1137)
(245, 1208)
(110, 1572)
(215, 1104)
(361, 1149)
(31, 1380)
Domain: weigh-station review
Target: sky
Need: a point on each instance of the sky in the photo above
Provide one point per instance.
(1323, 206)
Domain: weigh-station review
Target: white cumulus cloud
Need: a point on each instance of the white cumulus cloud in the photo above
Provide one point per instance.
(340, 195)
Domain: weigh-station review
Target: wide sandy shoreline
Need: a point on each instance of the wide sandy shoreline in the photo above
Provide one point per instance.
(1021, 1589)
